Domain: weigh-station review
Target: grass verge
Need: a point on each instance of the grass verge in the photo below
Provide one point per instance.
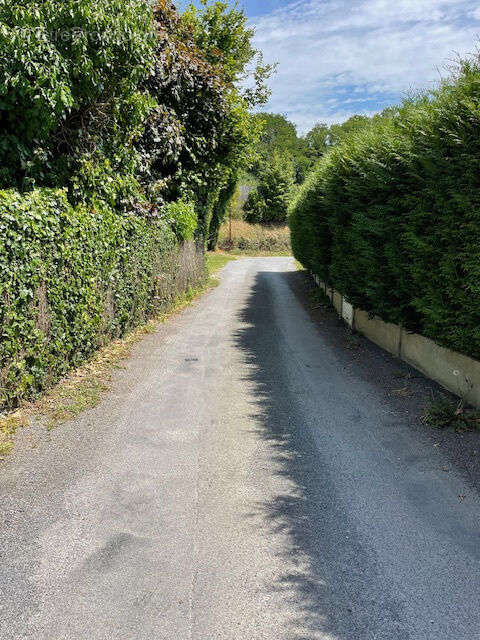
(8, 427)
(299, 266)
(85, 387)
(217, 260)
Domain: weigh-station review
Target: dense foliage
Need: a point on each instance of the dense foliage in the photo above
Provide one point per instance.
(126, 101)
(219, 32)
(278, 134)
(71, 278)
(123, 125)
(200, 131)
(268, 203)
(220, 209)
(70, 73)
(391, 216)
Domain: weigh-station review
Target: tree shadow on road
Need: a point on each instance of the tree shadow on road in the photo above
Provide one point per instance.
(328, 572)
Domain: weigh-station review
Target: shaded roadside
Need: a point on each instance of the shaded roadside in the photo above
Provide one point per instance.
(405, 389)
(330, 576)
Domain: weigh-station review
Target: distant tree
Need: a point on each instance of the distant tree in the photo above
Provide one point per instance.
(338, 132)
(268, 204)
(279, 134)
(322, 137)
(317, 141)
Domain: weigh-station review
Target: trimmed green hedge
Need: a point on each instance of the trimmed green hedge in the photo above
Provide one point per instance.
(391, 217)
(71, 279)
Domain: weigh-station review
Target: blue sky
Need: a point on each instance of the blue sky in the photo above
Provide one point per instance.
(340, 57)
(261, 7)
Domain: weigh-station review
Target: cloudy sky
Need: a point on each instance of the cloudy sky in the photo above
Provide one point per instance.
(340, 57)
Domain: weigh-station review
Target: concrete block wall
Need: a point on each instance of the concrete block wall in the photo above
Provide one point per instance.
(387, 336)
(454, 371)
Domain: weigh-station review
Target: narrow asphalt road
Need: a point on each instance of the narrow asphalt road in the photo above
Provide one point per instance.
(237, 484)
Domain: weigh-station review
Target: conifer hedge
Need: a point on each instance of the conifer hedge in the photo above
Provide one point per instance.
(391, 216)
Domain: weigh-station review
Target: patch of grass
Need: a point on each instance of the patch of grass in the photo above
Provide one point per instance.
(8, 427)
(299, 266)
(443, 413)
(216, 261)
(85, 387)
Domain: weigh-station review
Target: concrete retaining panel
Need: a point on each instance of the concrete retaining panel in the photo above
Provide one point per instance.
(386, 335)
(454, 371)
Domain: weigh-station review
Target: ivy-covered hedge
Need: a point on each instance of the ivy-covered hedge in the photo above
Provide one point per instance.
(72, 278)
(122, 125)
(391, 217)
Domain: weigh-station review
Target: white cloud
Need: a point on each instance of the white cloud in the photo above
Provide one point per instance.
(372, 51)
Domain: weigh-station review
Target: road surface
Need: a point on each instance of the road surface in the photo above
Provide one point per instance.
(237, 484)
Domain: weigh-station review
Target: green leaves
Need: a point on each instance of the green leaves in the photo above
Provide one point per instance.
(221, 32)
(72, 278)
(182, 217)
(200, 131)
(65, 66)
(123, 101)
